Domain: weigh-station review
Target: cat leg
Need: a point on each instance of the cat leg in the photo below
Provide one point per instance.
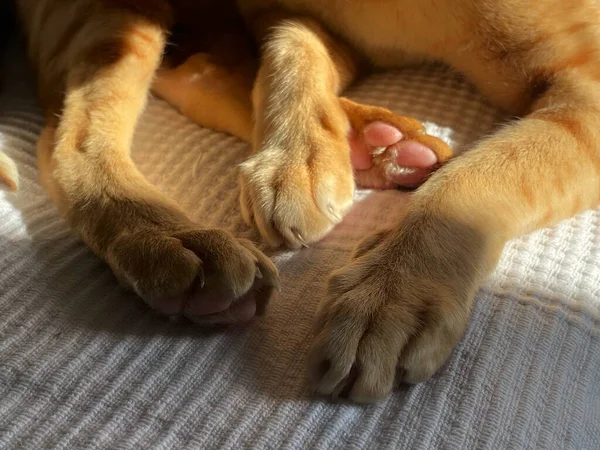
(211, 94)
(218, 96)
(177, 266)
(403, 302)
(300, 183)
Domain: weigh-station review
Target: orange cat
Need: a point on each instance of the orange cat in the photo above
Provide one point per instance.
(96, 61)
(404, 299)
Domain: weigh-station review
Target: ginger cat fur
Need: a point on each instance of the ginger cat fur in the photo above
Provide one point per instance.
(398, 308)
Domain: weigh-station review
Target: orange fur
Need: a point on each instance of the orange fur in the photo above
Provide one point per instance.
(106, 66)
(8, 173)
(404, 299)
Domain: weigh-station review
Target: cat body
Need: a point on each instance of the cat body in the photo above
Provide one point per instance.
(400, 305)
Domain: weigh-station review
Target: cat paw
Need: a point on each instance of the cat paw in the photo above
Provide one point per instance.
(393, 314)
(300, 184)
(205, 275)
(9, 176)
(388, 150)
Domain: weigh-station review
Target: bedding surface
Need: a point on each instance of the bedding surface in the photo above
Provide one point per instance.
(84, 364)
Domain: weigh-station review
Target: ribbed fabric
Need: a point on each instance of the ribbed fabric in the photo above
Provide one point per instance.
(84, 365)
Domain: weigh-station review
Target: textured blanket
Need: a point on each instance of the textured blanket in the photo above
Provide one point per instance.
(83, 364)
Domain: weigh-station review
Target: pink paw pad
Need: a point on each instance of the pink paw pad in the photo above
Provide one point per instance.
(388, 151)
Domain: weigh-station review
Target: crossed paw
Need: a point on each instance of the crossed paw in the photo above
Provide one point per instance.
(391, 314)
(295, 196)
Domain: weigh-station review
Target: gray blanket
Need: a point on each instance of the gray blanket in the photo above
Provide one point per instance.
(83, 364)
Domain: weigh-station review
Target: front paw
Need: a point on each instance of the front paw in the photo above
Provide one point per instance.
(394, 313)
(206, 275)
(296, 193)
